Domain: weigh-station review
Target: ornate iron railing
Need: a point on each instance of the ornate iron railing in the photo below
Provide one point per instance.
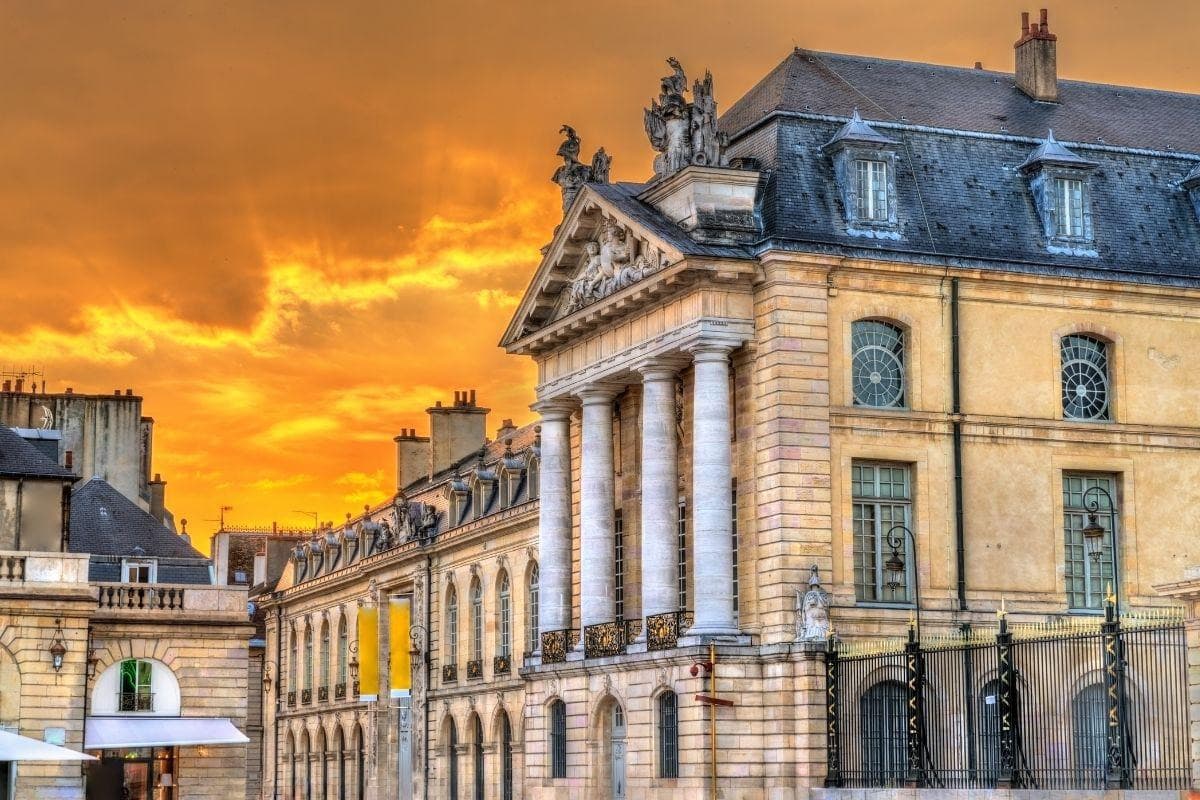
(449, 673)
(475, 668)
(502, 665)
(305, 697)
(554, 646)
(291, 699)
(355, 688)
(322, 694)
(633, 629)
(1046, 707)
(135, 701)
(603, 640)
(339, 691)
(663, 630)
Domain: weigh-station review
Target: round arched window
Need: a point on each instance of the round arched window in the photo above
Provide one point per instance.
(878, 364)
(1084, 378)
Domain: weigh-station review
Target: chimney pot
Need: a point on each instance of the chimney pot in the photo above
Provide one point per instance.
(70, 390)
(117, 392)
(8, 386)
(978, 65)
(1024, 22)
(129, 392)
(20, 384)
(472, 397)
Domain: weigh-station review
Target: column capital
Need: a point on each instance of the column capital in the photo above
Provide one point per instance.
(661, 367)
(595, 393)
(554, 408)
(712, 348)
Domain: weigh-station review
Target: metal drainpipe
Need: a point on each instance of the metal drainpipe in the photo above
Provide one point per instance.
(278, 681)
(428, 670)
(956, 425)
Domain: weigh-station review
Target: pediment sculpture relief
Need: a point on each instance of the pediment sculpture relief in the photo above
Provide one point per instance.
(608, 264)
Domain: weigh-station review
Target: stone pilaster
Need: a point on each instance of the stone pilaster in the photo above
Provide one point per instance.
(712, 476)
(660, 479)
(554, 526)
(596, 515)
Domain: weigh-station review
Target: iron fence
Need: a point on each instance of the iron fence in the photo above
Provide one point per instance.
(1075, 704)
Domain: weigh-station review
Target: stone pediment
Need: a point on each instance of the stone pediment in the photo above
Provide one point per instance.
(597, 252)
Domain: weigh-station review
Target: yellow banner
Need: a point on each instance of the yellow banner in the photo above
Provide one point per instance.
(368, 653)
(400, 664)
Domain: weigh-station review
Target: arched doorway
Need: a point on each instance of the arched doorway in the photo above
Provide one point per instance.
(609, 743)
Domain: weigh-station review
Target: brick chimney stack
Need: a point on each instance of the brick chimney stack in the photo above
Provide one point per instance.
(412, 457)
(1037, 60)
(455, 432)
(158, 498)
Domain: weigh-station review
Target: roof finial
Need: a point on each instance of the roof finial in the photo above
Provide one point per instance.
(855, 116)
(1050, 136)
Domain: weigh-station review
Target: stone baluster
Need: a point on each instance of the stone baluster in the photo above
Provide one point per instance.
(712, 476)
(554, 520)
(660, 490)
(596, 514)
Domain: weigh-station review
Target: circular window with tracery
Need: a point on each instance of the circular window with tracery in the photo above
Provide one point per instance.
(878, 364)
(1084, 378)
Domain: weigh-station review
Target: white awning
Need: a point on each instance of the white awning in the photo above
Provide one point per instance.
(14, 747)
(101, 733)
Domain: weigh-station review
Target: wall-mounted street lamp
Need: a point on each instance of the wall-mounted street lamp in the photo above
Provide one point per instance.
(266, 678)
(1093, 535)
(58, 647)
(897, 569)
(417, 634)
(353, 665)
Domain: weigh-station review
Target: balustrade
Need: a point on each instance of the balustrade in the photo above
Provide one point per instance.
(142, 597)
(12, 568)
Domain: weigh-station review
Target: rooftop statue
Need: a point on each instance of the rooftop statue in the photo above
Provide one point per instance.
(573, 174)
(683, 132)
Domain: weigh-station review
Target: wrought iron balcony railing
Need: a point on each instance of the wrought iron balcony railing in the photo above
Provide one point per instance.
(475, 668)
(135, 701)
(449, 673)
(339, 691)
(663, 630)
(355, 688)
(291, 699)
(554, 646)
(305, 697)
(501, 665)
(322, 694)
(604, 639)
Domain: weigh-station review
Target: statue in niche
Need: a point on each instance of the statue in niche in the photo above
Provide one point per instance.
(402, 522)
(683, 132)
(427, 526)
(573, 174)
(812, 611)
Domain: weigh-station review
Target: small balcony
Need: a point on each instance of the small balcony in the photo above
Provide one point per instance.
(449, 673)
(291, 699)
(475, 669)
(604, 640)
(339, 691)
(135, 701)
(663, 630)
(322, 694)
(554, 646)
(306, 697)
(502, 665)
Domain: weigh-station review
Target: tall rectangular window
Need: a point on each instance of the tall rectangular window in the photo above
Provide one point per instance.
(882, 498)
(1068, 208)
(733, 527)
(682, 556)
(558, 739)
(1088, 578)
(872, 188)
(619, 565)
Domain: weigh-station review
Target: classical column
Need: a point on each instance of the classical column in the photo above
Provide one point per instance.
(554, 519)
(712, 476)
(660, 491)
(597, 598)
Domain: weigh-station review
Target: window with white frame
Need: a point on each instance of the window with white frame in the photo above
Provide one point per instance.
(877, 364)
(531, 609)
(871, 190)
(1088, 577)
(503, 615)
(450, 645)
(476, 621)
(882, 501)
(325, 654)
(139, 570)
(1068, 208)
(619, 566)
(343, 650)
(1085, 378)
(308, 657)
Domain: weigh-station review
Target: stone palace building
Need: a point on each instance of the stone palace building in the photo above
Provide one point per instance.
(883, 353)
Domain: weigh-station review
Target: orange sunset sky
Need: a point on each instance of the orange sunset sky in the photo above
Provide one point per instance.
(291, 227)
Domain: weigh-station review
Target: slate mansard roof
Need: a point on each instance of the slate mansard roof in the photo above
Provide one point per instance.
(962, 135)
(18, 458)
(110, 527)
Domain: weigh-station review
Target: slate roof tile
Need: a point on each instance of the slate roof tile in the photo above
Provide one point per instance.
(19, 457)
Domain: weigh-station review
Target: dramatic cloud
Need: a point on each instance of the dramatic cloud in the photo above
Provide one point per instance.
(293, 227)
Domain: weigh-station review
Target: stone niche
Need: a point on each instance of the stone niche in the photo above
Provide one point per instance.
(713, 204)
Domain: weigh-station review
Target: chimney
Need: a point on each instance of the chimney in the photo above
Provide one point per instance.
(69, 460)
(455, 432)
(20, 384)
(412, 457)
(158, 490)
(1037, 62)
(506, 429)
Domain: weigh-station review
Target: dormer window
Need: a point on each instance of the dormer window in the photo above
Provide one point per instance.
(864, 164)
(1191, 185)
(139, 570)
(1058, 179)
(872, 191)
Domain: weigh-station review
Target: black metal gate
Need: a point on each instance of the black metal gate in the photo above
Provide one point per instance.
(1073, 704)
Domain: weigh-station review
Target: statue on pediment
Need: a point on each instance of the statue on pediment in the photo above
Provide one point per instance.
(573, 174)
(683, 132)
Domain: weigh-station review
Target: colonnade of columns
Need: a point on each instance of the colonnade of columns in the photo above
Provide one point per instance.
(712, 472)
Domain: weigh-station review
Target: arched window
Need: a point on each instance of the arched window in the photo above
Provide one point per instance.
(668, 735)
(1088, 717)
(503, 615)
(883, 733)
(360, 763)
(339, 744)
(558, 739)
(531, 609)
(325, 653)
(476, 621)
(343, 651)
(308, 662)
(877, 364)
(477, 753)
(323, 766)
(452, 760)
(1085, 378)
(506, 757)
(450, 645)
(293, 662)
